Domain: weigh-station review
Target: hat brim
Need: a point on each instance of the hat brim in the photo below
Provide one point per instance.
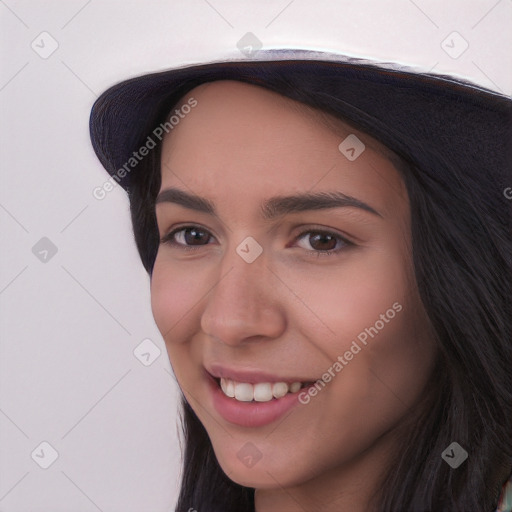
(430, 112)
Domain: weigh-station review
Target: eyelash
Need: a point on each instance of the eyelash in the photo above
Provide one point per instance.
(168, 239)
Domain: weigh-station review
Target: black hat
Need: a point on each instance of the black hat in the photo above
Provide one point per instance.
(441, 114)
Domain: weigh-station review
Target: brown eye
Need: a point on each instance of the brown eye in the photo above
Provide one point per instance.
(323, 242)
(187, 236)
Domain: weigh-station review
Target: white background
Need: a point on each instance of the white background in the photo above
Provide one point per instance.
(69, 326)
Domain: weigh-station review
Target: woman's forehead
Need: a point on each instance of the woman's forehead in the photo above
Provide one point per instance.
(243, 137)
(227, 104)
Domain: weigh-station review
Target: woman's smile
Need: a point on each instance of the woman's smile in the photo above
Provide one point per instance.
(251, 398)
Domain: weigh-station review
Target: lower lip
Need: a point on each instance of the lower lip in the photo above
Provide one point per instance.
(250, 414)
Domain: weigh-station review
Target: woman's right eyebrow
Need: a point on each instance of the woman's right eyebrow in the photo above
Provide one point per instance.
(272, 208)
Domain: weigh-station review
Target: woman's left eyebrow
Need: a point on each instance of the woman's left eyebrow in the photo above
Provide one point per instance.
(274, 207)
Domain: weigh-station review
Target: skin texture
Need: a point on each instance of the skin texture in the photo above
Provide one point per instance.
(291, 312)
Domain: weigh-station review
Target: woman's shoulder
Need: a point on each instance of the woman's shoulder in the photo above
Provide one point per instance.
(505, 501)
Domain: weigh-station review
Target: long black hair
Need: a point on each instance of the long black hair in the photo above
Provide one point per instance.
(462, 252)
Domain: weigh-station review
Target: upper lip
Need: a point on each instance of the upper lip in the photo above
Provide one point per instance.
(251, 376)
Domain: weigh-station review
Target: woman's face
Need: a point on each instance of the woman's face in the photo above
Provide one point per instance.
(265, 291)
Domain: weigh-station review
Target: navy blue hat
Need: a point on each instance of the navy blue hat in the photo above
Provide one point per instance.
(439, 113)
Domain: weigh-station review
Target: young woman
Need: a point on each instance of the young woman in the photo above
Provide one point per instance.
(329, 244)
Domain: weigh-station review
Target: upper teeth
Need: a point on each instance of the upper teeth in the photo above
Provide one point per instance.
(261, 392)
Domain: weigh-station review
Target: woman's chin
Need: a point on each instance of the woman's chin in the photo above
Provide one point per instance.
(267, 476)
(258, 471)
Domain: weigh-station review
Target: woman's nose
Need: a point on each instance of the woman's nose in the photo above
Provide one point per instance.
(245, 303)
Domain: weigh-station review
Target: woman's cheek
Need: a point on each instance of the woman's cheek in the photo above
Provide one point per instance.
(352, 296)
(172, 297)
